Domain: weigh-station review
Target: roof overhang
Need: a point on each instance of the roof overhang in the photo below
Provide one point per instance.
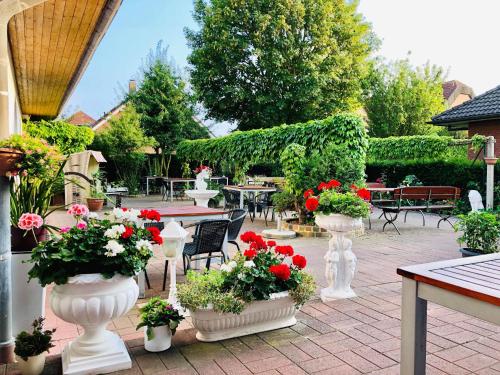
(51, 45)
(463, 124)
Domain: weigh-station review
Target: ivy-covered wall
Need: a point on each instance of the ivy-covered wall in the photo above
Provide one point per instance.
(265, 145)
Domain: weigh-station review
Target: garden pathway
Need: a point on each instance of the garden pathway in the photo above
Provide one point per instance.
(359, 335)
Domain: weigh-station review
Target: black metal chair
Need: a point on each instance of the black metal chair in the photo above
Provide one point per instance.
(231, 199)
(208, 239)
(237, 218)
(160, 226)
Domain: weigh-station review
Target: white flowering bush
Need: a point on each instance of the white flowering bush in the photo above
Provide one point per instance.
(115, 244)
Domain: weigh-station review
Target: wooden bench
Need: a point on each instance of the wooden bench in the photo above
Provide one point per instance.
(439, 199)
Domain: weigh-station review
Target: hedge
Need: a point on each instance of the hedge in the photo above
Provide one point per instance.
(453, 172)
(416, 147)
(266, 145)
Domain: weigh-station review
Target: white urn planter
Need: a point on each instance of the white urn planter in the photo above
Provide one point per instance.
(92, 301)
(202, 197)
(258, 316)
(340, 261)
(161, 340)
(33, 366)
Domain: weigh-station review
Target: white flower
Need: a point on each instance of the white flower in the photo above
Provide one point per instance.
(131, 215)
(249, 264)
(93, 215)
(232, 264)
(118, 213)
(226, 268)
(143, 246)
(113, 248)
(115, 231)
(241, 276)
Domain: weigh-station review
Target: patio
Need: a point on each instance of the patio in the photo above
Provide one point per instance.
(359, 335)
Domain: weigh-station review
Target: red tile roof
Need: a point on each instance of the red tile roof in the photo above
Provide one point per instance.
(80, 118)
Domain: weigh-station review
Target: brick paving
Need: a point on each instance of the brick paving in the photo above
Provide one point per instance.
(355, 336)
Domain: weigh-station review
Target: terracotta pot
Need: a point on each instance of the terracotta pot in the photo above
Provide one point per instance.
(8, 159)
(95, 204)
(25, 241)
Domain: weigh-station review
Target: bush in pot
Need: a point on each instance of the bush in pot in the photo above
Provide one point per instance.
(481, 231)
(160, 320)
(31, 348)
(259, 290)
(92, 265)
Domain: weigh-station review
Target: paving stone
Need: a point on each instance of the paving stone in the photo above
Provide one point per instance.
(375, 357)
(341, 370)
(310, 348)
(386, 345)
(291, 370)
(454, 354)
(319, 364)
(445, 366)
(476, 362)
(150, 364)
(356, 361)
(231, 366)
(293, 353)
(268, 364)
(341, 346)
(208, 367)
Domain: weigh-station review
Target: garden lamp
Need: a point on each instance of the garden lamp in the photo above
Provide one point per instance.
(174, 237)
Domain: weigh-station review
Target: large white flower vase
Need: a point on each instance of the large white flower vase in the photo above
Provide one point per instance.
(92, 301)
(200, 194)
(340, 261)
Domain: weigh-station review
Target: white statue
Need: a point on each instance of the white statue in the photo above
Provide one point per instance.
(200, 193)
(476, 201)
(201, 183)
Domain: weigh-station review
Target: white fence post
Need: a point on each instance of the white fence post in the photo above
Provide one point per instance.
(490, 160)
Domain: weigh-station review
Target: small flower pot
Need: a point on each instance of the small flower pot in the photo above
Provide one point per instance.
(468, 252)
(9, 157)
(95, 204)
(33, 366)
(24, 241)
(161, 340)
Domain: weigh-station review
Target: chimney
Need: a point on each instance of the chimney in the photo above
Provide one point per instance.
(132, 86)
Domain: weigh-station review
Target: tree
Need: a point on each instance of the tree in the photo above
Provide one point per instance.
(401, 99)
(122, 144)
(262, 63)
(68, 137)
(165, 108)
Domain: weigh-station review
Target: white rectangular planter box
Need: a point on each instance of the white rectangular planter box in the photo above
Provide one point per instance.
(258, 316)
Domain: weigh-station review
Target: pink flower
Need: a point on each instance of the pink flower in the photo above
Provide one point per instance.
(81, 225)
(78, 210)
(30, 221)
(64, 229)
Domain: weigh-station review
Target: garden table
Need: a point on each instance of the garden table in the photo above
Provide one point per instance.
(151, 178)
(249, 189)
(468, 285)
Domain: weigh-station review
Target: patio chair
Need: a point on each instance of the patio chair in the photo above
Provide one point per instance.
(208, 241)
(160, 226)
(237, 218)
(231, 199)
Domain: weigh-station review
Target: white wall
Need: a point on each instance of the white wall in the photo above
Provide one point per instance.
(14, 109)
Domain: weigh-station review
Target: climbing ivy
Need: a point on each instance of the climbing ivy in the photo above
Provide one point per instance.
(264, 145)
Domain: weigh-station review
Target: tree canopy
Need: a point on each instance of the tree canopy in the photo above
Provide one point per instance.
(262, 63)
(68, 137)
(400, 99)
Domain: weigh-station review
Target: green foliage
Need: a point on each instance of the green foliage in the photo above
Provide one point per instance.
(158, 312)
(283, 201)
(68, 137)
(262, 63)
(400, 100)
(122, 145)
(304, 290)
(481, 231)
(263, 145)
(478, 142)
(416, 147)
(35, 343)
(83, 251)
(293, 160)
(448, 172)
(337, 161)
(332, 201)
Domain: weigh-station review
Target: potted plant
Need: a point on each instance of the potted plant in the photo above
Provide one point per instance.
(159, 320)
(257, 291)
(481, 231)
(93, 264)
(9, 159)
(339, 211)
(96, 198)
(31, 348)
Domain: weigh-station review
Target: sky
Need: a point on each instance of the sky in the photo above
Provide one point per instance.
(459, 35)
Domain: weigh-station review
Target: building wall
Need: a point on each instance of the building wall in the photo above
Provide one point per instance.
(487, 128)
(14, 108)
(461, 98)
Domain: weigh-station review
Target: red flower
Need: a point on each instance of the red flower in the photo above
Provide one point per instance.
(312, 204)
(364, 194)
(271, 243)
(158, 240)
(308, 193)
(152, 215)
(299, 261)
(129, 231)
(248, 237)
(284, 250)
(354, 187)
(155, 232)
(281, 271)
(332, 184)
(250, 253)
(322, 186)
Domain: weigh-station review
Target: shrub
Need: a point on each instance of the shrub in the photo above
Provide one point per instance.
(481, 231)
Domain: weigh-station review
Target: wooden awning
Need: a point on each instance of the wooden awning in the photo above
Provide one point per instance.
(51, 45)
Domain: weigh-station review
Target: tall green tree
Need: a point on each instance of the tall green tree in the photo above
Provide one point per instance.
(401, 99)
(261, 63)
(123, 144)
(166, 110)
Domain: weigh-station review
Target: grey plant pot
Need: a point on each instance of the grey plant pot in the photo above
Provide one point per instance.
(467, 252)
